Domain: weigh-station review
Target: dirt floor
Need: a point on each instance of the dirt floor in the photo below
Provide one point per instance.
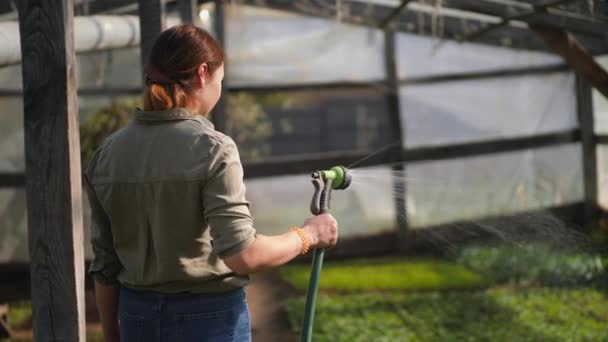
(266, 295)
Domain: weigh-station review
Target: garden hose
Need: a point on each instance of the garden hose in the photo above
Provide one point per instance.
(337, 178)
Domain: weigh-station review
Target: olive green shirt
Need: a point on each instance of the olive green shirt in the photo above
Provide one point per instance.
(168, 203)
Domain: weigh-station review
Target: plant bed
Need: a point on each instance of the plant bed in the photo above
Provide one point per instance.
(482, 293)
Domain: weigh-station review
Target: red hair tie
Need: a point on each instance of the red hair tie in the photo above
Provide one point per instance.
(153, 75)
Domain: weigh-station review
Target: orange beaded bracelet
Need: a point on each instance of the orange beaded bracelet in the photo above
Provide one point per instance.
(302, 235)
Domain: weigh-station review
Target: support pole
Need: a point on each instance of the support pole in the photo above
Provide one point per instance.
(584, 106)
(53, 171)
(399, 186)
(188, 11)
(151, 24)
(219, 116)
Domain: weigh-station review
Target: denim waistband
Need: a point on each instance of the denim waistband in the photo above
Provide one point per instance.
(146, 296)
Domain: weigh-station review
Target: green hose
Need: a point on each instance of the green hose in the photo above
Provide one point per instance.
(311, 297)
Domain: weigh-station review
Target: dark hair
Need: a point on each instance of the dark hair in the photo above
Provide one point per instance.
(176, 55)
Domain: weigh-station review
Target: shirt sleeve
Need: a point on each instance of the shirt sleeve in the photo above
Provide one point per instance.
(105, 265)
(225, 207)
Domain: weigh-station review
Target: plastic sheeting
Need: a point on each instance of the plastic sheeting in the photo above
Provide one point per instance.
(273, 47)
(419, 56)
(464, 111)
(12, 148)
(451, 190)
(13, 226)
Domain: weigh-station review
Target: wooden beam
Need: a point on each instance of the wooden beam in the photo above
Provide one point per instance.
(299, 164)
(601, 139)
(479, 75)
(188, 11)
(528, 13)
(576, 56)
(12, 180)
(308, 163)
(585, 119)
(52, 150)
(455, 151)
(151, 24)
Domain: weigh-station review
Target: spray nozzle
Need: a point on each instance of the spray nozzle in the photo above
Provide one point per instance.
(338, 178)
(339, 175)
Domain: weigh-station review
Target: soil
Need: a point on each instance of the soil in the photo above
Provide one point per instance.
(266, 295)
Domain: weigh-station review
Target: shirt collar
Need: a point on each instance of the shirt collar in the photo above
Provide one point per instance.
(171, 114)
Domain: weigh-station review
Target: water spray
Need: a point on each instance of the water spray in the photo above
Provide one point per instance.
(336, 178)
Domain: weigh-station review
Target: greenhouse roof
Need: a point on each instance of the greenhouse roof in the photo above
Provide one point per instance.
(495, 22)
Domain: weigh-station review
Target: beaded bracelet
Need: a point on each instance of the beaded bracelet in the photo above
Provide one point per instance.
(302, 235)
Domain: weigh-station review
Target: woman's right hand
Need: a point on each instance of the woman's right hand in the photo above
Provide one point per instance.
(322, 231)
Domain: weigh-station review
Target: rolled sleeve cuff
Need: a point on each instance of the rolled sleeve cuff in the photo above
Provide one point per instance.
(234, 240)
(105, 273)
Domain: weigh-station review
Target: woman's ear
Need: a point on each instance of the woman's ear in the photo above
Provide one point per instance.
(202, 73)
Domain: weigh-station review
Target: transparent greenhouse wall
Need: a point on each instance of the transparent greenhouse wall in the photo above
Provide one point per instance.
(13, 226)
(486, 109)
(421, 56)
(469, 188)
(272, 47)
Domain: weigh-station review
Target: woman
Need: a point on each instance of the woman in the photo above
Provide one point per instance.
(171, 230)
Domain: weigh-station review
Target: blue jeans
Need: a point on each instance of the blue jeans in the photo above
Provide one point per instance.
(156, 317)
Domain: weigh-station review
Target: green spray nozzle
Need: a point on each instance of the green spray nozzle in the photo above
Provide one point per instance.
(339, 175)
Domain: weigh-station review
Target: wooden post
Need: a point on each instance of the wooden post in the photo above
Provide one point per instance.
(188, 11)
(584, 106)
(151, 24)
(219, 112)
(53, 171)
(399, 186)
